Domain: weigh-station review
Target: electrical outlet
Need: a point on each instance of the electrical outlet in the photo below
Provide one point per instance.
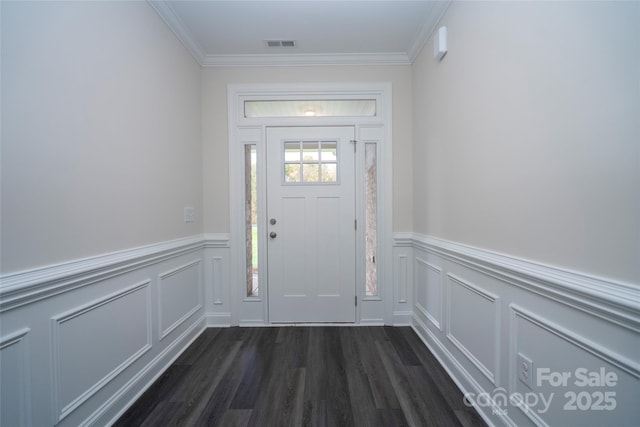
(524, 366)
(189, 214)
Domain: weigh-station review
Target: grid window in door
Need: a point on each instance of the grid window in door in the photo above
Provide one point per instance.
(310, 162)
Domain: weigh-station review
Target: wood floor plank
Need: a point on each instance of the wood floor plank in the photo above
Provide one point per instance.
(200, 345)
(304, 376)
(159, 415)
(379, 381)
(260, 353)
(363, 403)
(405, 352)
(446, 387)
(154, 396)
(235, 418)
(200, 385)
(400, 382)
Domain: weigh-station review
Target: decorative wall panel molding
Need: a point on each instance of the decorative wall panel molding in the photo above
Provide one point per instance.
(24, 287)
(217, 240)
(590, 384)
(631, 367)
(403, 279)
(499, 309)
(146, 376)
(615, 301)
(15, 394)
(179, 296)
(429, 291)
(90, 346)
(94, 328)
(216, 273)
(473, 324)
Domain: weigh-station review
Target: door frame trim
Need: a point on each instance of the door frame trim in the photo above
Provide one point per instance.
(254, 310)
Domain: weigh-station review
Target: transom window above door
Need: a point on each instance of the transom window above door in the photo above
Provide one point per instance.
(310, 162)
(311, 108)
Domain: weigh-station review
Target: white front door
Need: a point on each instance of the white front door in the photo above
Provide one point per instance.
(311, 224)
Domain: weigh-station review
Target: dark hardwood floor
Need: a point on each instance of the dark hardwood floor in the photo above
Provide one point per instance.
(299, 376)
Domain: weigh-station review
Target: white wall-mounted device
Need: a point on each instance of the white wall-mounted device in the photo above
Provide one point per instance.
(440, 43)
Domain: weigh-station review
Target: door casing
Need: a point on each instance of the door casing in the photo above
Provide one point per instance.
(253, 311)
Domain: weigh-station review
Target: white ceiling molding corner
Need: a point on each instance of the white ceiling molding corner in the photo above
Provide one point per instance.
(163, 8)
(439, 8)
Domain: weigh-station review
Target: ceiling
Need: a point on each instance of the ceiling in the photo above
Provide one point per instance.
(331, 32)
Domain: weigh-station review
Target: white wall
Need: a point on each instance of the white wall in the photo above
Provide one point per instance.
(100, 131)
(525, 157)
(215, 136)
(526, 135)
(102, 284)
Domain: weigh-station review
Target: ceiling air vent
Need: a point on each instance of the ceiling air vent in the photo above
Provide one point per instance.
(281, 43)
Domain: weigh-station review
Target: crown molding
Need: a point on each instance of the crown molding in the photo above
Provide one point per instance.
(168, 15)
(266, 60)
(439, 8)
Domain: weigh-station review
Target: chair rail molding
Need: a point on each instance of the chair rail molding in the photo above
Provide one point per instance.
(613, 300)
(480, 312)
(126, 315)
(27, 286)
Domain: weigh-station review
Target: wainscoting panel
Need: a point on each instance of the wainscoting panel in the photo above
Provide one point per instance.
(402, 289)
(179, 295)
(429, 291)
(473, 324)
(79, 341)
(217, 280)
(602, 383)
(14, 382)
(528, 344)
(91, 346)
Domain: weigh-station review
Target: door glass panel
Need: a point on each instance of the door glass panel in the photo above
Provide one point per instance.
(328, 151)
(310, 152)
(292, 152)
(292, 172)
(251, 220)
(310, 172)
(329, 173)
(310, 162)
(371, 217)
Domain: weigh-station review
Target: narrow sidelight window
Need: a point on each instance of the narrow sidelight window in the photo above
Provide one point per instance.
(251, 219)
(371, 218)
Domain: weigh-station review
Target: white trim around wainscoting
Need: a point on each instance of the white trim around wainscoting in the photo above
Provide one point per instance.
(25, 287)
(615, 301)
(593, 320)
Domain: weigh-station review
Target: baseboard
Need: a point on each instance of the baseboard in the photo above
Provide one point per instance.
(371, 322)
(462, 379)
(402, 318)
(150, 300)
(147, 375)
(481, 313)
(218, 320)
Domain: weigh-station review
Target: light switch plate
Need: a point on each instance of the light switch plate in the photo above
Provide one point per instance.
(189, 214)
